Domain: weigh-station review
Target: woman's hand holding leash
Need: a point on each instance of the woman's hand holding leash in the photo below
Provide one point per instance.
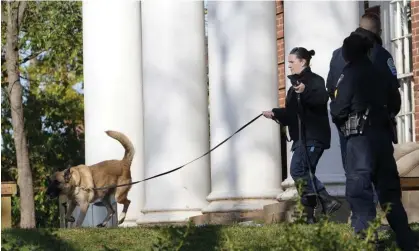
(268, 114)
(299, 88)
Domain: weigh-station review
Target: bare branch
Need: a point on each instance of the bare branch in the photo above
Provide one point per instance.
(29, 79)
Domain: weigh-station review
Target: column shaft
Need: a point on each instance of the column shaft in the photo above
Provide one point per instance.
(113, 91)
(246, 171)
(175, 109)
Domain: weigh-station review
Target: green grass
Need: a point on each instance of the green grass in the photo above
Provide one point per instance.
(322, 236)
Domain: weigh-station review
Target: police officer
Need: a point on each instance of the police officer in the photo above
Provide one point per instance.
(359, 109)
(370, 27)
(306, 116)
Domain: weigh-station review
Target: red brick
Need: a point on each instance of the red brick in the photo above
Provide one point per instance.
(279, 6)
(280, 51)
(415, 61)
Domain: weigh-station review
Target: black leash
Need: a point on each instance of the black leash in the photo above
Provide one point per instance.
(302, 138)
(177, 168)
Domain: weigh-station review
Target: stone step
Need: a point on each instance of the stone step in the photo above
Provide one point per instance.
(285, 211)
(224, 218)
(279, 212)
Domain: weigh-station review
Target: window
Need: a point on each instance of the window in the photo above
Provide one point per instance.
(401, 49)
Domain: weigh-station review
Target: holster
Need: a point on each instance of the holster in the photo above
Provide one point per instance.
(355, 124)
(350, 127)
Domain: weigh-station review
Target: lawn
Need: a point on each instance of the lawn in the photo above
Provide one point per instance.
(285, 236)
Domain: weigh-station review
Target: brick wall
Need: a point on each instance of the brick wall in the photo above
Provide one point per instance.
(281, 52)
(415, 58)
(281, 78)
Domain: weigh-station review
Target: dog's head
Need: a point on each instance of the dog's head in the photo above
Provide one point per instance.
(62, 183)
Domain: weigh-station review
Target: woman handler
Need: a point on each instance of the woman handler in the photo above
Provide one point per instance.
(306, 116)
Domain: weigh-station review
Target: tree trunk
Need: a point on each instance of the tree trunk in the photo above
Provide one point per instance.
(15, 11)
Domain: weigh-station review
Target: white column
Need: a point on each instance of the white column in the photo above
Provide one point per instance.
(304, 28)
(245, 171)
(175, 109)
(113, 91)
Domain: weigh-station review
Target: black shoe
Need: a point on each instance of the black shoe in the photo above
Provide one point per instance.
(329, 203)
(309, 214)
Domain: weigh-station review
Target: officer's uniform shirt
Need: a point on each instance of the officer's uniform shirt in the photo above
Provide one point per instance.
(382, 61)
(354, 90)
(361, 87)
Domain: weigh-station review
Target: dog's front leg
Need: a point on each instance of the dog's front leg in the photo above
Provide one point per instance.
(83, 210)
(71, 205)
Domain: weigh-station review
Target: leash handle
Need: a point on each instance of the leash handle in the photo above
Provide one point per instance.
(177, 168)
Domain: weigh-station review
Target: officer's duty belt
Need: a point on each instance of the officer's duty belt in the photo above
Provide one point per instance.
(355, 124)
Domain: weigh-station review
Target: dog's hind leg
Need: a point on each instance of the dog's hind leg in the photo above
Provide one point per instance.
(82, 213)
(107, 203)
(121, 197)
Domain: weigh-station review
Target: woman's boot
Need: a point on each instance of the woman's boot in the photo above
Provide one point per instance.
(309, 213)
(329, 203)
(309, 202)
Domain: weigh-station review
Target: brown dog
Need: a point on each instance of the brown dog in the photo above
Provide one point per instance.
(78, 183)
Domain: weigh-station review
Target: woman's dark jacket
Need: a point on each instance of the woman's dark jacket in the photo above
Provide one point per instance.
(313, 111)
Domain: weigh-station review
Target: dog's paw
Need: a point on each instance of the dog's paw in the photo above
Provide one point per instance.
(101, 225)
(70, 219)
(122, 219)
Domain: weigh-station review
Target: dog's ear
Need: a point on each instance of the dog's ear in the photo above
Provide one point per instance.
(67, 175)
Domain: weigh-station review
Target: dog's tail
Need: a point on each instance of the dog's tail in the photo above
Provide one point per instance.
(126, 143)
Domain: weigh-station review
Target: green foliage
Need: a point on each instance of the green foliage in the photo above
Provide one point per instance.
(21, 244)
(285, 236)
(299, 215)
(173, 238)
(51, 56)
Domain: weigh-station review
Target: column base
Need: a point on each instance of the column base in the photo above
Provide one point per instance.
(169, 216)
(227, 218)
(288, 182)
(239, 201)
(290, 193)
(244, 205)
(128, 223)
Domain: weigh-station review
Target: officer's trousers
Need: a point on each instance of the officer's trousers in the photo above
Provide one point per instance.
(369, 159)
(343, 142)
(300, 172)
